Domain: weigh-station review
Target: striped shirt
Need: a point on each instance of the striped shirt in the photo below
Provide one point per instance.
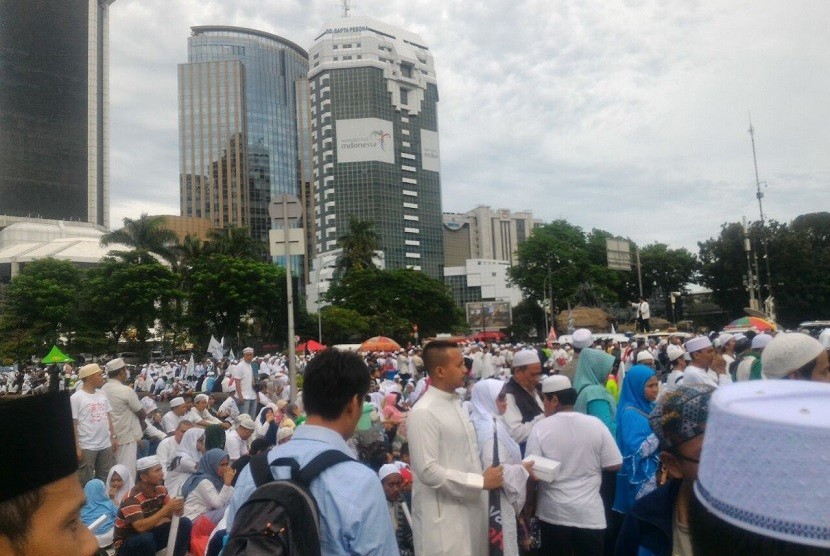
(135, 507)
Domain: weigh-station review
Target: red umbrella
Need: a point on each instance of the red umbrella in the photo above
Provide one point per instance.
(380, 343)
(310, 345)
(759, 324)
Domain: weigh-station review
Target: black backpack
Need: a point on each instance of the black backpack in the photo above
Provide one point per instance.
(281, 516)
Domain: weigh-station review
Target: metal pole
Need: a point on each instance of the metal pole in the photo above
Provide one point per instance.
(289, 294)
(319, 317)
(753, 303)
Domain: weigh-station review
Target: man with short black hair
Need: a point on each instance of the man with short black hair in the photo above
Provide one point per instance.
(570, 509)
(354, 518)
(446, 465)
(40, 495)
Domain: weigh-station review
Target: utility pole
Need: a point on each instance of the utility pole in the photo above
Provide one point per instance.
(769, 301)
(750, 283)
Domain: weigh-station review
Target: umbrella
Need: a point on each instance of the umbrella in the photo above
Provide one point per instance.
(57, 356)
(751, 322)
(380, 343)
(310, 345)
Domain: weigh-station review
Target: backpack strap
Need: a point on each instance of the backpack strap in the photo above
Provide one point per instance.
(320, 463)
(260, 471)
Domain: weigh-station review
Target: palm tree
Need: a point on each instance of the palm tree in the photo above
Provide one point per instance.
(234, 242)
(359, 245)
(147, 236)
(189, 249)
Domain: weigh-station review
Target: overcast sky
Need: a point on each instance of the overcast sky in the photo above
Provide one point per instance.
(630, 116)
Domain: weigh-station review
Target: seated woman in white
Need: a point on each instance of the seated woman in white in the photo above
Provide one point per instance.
(209, 490)
(186, 460)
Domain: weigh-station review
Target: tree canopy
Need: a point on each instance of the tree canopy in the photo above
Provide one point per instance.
(146, 236)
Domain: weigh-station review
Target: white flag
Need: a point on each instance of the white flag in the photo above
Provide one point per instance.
(215, 348)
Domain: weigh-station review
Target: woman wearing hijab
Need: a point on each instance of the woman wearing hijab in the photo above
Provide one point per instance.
(394, 414)
(186, 460)
(634, 437)
(487, 408)
(209, 490)
(98, 504)
(267, 423)
(589, 382)
(119, 483)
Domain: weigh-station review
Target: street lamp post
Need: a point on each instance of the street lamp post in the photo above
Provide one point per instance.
(317, 287)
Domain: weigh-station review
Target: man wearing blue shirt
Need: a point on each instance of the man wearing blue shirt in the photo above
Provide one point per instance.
(354, 518)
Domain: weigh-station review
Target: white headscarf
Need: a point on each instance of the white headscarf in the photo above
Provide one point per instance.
(188, 446)
(126, 476)
(483, 401)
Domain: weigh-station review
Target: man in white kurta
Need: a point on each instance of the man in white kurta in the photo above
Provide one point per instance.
(449, 496)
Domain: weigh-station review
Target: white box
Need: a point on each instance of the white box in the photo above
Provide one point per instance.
(544, 468)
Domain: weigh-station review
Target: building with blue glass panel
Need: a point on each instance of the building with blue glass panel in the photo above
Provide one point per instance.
(239, 144)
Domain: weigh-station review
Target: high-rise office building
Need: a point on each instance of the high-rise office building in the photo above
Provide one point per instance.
(482, 233)
(241, 95)
(54, 139)
(375, 142)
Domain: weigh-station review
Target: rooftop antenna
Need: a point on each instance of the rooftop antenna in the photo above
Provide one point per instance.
(346, 7)
(769, 303)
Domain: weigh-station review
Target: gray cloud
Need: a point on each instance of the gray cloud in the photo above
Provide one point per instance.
(628, 116)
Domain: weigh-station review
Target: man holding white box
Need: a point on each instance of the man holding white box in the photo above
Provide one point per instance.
(569, 509)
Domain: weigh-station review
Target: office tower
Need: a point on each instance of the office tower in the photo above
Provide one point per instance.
(375, 143)
(54, 137)
(238, 125)
(482, 233)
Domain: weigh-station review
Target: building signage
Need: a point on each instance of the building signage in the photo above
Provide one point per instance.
(488, 315)
(430, 154)
(365, 140)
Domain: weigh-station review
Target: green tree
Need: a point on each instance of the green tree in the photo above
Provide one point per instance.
(40, 307)
(666, 270)
(225, 293)
(146, 236)
(234, 241)
(394, 300)
(554, 259)
(343, 326)
(359, 244)
(123, 295)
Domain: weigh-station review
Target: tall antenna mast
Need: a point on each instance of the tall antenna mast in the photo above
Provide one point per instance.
(769, 301)
(346, 8)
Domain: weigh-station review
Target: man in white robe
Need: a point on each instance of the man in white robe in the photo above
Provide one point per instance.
(449, 494)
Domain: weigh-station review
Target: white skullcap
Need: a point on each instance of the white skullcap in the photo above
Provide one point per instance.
(581, 338)
(89, 370)
(177, 401)
(148, 404)
(761, 341)
(245, 421)
(525, 357)
(147, 463)
(247, 351)
(200, 398)
(644, 355)
(757, 436)
(739, 336)
(283, 433)
(555, 383)
(722, 340)
(388, 469)
(697, 343)
(788, 352)
(674, 352)
(115, 364)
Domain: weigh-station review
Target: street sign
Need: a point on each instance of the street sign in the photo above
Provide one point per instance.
(296, 242)
(619, 254)
(293, 209)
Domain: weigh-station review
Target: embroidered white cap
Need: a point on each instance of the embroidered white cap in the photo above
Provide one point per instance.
(761, 465)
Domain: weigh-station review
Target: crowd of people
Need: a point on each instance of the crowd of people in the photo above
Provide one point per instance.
(590, 447)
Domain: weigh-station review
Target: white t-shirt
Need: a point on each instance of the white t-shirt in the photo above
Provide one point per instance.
(584, 446)
(234, 445)
(244, 373)
(170, 421)
(90, 411)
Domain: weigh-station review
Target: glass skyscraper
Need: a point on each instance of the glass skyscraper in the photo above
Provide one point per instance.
(54, 140)
(375, 142)
(238, 125)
